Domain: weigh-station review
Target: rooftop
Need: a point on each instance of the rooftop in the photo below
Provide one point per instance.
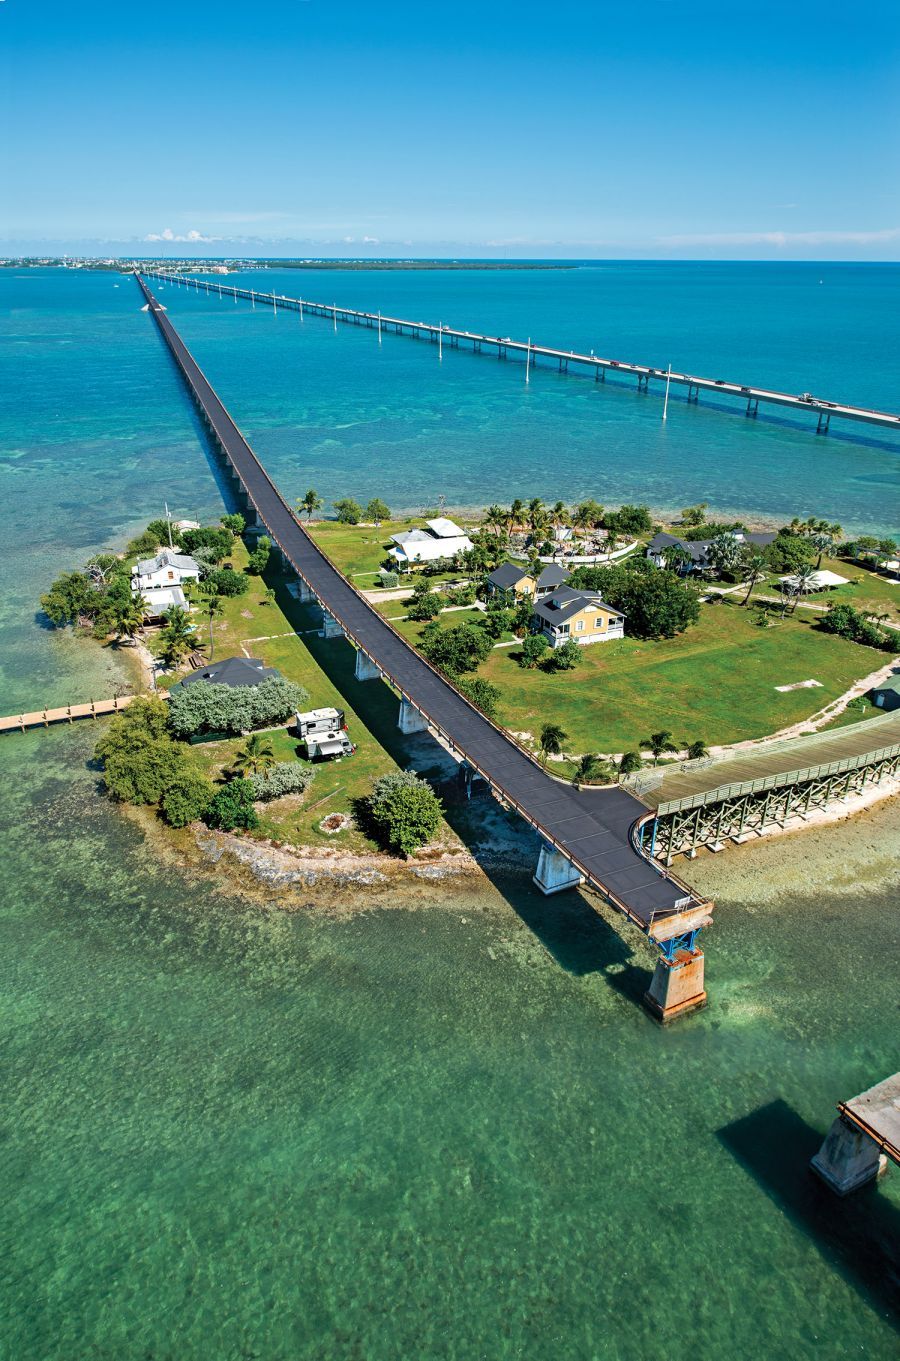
(567, 602)
(232, 671)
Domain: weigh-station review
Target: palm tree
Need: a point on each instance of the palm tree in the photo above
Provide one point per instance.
(753, 569)
(591, 767)
(270, 596)
(255, 757)
(309, 504)
(129, 618)
(177, 636)
(537, 514)
(551, 740)
(803, 579)
(822, 542)
(630, 762)
(515, 515)
(697, 749)
(213, 609)
(495, 518)
(559, 515)
(659, 743)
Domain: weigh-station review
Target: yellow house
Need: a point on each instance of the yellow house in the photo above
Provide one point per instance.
(516, 581)
(582, 616)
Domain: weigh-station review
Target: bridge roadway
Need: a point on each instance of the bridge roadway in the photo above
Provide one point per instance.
(591, 829)
(823, 410)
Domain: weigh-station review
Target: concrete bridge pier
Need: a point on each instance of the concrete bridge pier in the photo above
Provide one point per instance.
(555, 872)
(366, 669)
(676, 988)
(848, 1159)
(411, 719)
(330, 626)
(305, 595)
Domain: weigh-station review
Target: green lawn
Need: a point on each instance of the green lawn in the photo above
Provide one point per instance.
(360, 550)
(715, 682)
(865, 590)
(326, 669)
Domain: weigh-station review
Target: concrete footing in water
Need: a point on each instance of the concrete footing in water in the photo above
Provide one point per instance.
(365, 668)
(848, 1159)
(677, 986)
(555, 872)
(410, 719)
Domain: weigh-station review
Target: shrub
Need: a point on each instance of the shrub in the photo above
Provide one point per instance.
(424, 605)
(388, 580)
(143, 774)
(259, 558)
(70, 595)
(457, 650)
(218, 540)
(187, 798)
(630, 762)
(349, 512)
(285, 777)
(405, 811)
(851, 623)
(232, 807)
(226, 581)
(235, 524)
(533, 649)
(564, 658)
(496, 622)
(377, 511)
(481, 692)
(201, 707)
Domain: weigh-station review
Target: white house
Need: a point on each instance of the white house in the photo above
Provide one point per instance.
(168, 568)
(158, 599)
(440, 538)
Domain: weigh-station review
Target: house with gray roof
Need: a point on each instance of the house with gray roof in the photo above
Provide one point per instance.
(168, 568)
(697, 550)
(582, 616)
(232, 671)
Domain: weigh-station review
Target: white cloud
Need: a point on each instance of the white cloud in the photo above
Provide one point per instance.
(782, 239)
(167, 234)
(371, 241)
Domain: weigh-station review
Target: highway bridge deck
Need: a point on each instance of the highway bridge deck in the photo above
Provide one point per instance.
(592, 829)
(799, 404)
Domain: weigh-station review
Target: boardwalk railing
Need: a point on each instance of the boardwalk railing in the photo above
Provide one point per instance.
(42, 718)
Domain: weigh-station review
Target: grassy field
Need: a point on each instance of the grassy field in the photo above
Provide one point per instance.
(715, 682)
(325, 668)
(360, 550)
(865, 590)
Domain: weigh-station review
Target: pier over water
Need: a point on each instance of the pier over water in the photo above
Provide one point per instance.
(565, 361)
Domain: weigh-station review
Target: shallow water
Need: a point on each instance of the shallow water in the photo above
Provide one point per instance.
(445, 1130)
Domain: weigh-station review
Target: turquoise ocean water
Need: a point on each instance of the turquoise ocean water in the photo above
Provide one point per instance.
(228, 1132)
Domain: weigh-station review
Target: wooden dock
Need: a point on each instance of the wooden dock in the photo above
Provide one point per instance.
(42, 718)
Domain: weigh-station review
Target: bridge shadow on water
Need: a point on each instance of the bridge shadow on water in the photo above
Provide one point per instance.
(568, 925)
(858, 1236)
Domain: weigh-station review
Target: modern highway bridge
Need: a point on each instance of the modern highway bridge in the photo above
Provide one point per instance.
(800, 404)
(589, 837)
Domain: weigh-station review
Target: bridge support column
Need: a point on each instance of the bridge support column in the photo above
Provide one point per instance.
(304, 594)
(555, 872)
(330, 626)
(677, 984)
(411, 719)
(366, 669)
(848, 1159)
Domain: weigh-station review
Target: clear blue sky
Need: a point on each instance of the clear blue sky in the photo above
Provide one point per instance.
(695, 130)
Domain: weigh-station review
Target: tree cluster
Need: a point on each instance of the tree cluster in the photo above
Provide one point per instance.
(142, 764)
(848, 622)
(203, 708)
(403, 811)
(655, 602)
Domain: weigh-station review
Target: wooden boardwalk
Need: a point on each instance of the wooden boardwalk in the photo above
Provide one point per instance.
(42, 718)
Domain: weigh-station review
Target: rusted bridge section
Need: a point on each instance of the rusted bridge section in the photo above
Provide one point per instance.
(586, 836)
(592, 364)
